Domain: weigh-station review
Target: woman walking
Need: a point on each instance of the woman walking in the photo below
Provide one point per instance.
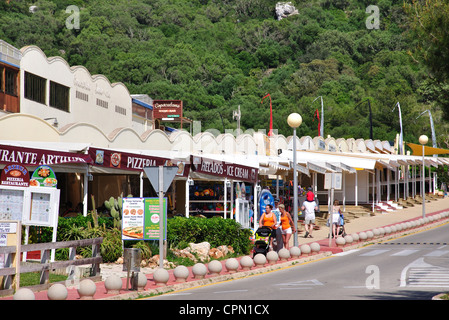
(288, 227)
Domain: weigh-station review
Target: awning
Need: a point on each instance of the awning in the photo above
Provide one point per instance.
(13, 153)
(417, 150)
(125, 161)
(239, 168)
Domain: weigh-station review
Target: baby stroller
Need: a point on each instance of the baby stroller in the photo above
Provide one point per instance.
(262, 240)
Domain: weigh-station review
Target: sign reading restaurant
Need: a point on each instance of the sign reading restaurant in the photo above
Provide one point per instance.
(167, 109)
(37, 157)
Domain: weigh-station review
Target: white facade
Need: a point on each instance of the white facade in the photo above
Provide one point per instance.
(92, 99)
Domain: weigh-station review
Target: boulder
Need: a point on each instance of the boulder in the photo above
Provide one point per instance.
(285, 9)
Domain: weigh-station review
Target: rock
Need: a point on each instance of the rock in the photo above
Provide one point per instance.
(285, 9)
(201, 250)
(215, 253)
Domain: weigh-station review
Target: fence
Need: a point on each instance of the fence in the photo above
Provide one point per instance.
(11, 274)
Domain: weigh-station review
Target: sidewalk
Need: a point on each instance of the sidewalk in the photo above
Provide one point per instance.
(356, 225)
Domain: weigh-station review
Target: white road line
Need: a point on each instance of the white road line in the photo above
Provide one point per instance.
(231, 291)
(345, 253)
(404, 253)
(436, 253)
(373, 253)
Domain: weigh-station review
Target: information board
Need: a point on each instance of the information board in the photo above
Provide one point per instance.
(140, 218)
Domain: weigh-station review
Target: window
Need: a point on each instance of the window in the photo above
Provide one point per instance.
(102, 103)
(11, 82)
(59, 96)
(1, 78)
(82, 96)
(35, 87)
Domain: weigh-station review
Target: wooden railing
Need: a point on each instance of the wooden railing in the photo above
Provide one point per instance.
(10, 275)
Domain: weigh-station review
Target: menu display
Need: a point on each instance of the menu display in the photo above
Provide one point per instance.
(11, 204)
(40, 207)
(140, 218)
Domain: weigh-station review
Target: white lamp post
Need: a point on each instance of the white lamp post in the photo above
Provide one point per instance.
(294, 120)
(423, 141)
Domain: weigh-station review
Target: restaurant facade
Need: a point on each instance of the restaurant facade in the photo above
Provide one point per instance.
(59, 121)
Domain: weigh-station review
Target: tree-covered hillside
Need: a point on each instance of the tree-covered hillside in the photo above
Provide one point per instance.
(218, 54)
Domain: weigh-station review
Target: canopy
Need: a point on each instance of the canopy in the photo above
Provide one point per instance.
(417, 150)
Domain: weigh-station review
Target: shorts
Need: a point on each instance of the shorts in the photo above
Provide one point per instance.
(309, 221)
(287, 231)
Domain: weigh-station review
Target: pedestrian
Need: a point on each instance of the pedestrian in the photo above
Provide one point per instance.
(335, 219)
(309, 206)
(288, 227)
(268, 219)
(279, 243)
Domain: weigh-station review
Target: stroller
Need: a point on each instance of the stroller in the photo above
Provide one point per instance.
(262, 240)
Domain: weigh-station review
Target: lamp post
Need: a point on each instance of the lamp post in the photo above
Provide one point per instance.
(294, 120)
(423, 140)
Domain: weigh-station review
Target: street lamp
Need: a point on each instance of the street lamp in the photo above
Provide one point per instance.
(294, 120)
(423, 141)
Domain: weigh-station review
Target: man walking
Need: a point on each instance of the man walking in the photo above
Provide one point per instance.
(308, 207)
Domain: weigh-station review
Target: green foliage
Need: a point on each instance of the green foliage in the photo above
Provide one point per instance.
(215, 55)
(216, 231)
(115, 208)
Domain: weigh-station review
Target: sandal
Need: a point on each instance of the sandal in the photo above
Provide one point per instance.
(310, 236)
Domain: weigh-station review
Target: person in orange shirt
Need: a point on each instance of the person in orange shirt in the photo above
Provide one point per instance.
(288, 227)
(268, 219)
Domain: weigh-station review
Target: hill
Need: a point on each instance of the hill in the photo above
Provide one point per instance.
(218, 54)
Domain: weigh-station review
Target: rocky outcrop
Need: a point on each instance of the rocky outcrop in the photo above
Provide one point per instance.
(285, 9)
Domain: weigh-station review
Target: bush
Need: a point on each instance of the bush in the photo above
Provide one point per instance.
(216, 231)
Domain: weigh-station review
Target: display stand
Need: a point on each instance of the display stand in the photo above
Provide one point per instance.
(10, 235)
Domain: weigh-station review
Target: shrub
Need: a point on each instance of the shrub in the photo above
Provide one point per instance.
(216, 231)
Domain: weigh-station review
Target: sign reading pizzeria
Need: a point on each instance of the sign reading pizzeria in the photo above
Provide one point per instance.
(15, 175)
(167, 110)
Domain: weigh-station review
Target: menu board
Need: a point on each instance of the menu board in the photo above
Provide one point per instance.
(152, 218)
(11, 204)
(43, 176)
(140, 218)
(40, 207)
(132, 218)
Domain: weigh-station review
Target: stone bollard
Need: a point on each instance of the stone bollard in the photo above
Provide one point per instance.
(348, 239)
(355, 237)
(387, 230)
(87, 289)
(232, 265)
(272, 257)
(260, 260)
(376, 232)
(363, 236)
(160, 277)
(24, 294)
(214, 267)
(394, 229)
(369, 234)
(181, 273)
(305, 250)
(57, 291)
(295, 252)
(340, 242)
(199, 270)
(284, 254)
(246, 263)
(315, 247)
(113, 284)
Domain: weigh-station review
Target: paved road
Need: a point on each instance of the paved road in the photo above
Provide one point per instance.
(411, 267)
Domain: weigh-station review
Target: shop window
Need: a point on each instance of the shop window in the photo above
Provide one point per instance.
(1, 79)
(11, 82)
(35, 87)
(59, 96)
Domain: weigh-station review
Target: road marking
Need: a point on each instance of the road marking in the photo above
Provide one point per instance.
(422, 274)
(345, 253)
(404, 253)
(436, 253)
(231, 291)
(373, 253)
